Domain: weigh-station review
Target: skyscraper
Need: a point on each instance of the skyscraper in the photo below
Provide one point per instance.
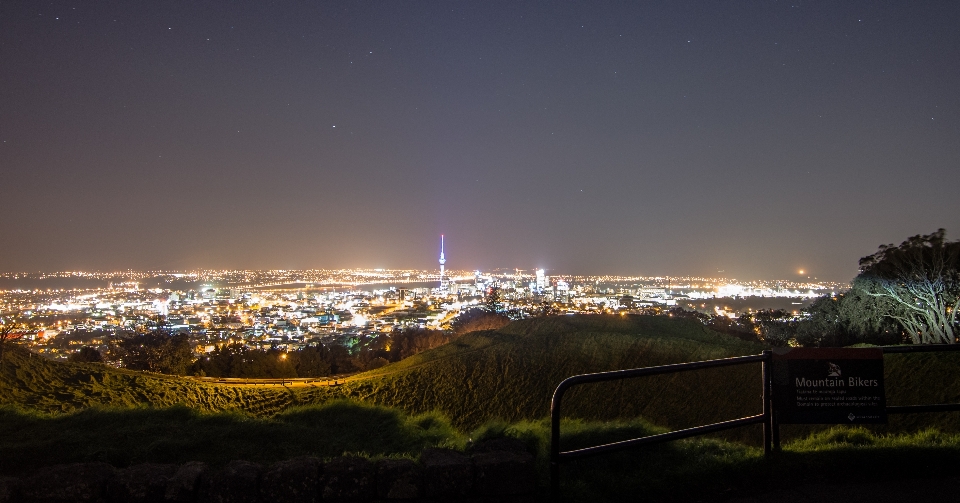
(443, 282)
(541, 280)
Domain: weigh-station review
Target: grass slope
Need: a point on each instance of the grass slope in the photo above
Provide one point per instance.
(511, 373)
(508, 374)
(55, 412)
(35, 383)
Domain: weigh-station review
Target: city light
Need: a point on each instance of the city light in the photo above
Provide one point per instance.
(288, 310)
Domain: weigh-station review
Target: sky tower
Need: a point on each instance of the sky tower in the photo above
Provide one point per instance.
(443, 283)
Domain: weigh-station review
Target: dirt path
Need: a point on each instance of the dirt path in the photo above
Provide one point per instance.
(325, 381)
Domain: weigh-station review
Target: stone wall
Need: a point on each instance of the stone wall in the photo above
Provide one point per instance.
(492, 471)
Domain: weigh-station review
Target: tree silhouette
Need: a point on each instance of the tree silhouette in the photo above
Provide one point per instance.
(493, 299)
(154, 351)
(86, 354)
(917, 284)
(475, 319)
(9, 333)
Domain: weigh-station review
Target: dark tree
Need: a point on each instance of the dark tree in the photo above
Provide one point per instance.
(476, 319)
(742, 329)
(679, 312)
(916, 284)
(86, 354)
(155, 351)
(493, 299)
(410, 341)
(774, 326)
(238, 360)
(312, 362)
(340, 360)
(10, 332)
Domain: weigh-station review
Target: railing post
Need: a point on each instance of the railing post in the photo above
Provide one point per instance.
(555, 443)
(774, 421)
(767, 406)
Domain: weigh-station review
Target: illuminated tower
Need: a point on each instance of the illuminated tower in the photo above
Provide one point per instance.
(541, 280)
(443, 282)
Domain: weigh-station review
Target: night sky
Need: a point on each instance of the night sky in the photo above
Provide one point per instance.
(740, 139)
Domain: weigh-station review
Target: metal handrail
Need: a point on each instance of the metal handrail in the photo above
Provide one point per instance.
(771, 427)
(556, 455)
(663, 437)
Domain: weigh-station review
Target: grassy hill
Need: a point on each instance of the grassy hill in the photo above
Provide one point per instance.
(507, 374)
(35, 383)
(511, 373)
(65, 412)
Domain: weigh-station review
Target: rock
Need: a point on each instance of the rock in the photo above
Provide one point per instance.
(185, 482)
(446, 473)
(503, 473)
(238, 482)
(77, 482)
(141, 483)
(399, 479)
(293, 481)
(348, 478)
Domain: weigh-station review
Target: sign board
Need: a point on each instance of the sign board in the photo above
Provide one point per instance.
(828, 386)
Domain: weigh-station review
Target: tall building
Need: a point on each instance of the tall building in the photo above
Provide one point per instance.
(443, 281)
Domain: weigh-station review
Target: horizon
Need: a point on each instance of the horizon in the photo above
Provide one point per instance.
(799, 277)
(383, 275)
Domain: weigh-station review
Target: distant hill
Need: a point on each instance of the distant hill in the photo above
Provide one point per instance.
(507, 374)
(511, 373)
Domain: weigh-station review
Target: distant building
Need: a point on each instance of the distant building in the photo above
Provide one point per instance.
(443, 260)
(561, 290)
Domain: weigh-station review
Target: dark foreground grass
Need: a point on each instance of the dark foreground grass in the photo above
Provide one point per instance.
(704, 469)
(689, 470)
(179, 434)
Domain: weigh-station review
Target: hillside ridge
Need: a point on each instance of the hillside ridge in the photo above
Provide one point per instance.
(507, 374)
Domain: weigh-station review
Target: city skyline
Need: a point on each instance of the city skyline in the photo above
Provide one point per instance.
(296, 310)
(692, 138)
(532, 279)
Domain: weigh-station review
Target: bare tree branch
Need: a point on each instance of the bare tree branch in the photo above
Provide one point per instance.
(921, 280)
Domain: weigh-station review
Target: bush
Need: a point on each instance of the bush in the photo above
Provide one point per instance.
(86, 354)
(476, 319)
